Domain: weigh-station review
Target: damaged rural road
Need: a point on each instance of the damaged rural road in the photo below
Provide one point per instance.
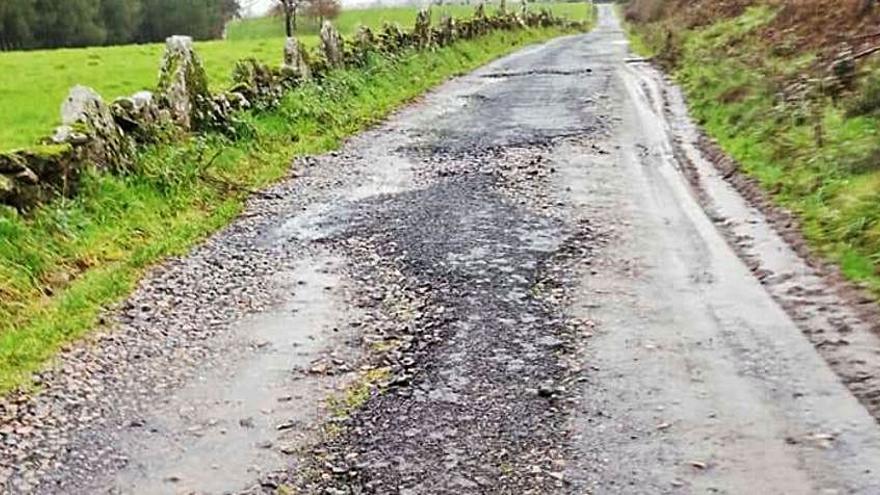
(530, 281)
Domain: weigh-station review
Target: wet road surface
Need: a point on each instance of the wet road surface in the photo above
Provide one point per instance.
(528, 282)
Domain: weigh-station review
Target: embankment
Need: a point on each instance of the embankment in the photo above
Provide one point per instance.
(791, 91)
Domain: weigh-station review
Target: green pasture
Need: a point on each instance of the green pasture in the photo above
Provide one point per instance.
(34, 83)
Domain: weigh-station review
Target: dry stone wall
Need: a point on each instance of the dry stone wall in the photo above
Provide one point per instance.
(106, 137)
(331, 46)
(88, 122)
(296, 61)
(183, 83)
(422, 33)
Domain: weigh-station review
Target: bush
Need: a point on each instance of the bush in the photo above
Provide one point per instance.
(644, 10)
(867, 98)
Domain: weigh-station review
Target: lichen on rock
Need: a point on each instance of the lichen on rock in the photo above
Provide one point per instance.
(480, 24)
(88, 123)
(364, 40)
(183, 84)
(392, 38)
(7, 188)
(261, 85)
(422, 34)
(295, 60)
(446, 32)
(331, 45)
(140, 117)
(523, 14)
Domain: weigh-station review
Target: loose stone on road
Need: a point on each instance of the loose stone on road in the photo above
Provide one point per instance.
(510, 286)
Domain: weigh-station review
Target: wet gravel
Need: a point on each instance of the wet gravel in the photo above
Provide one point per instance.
(65, 436)
(170, 323)
(457, 263)
(502, 307)
(482, 381)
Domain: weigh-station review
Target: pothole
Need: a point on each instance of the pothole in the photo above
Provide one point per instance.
(538, 72)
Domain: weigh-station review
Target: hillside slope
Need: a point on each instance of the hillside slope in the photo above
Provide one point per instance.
(791, 90)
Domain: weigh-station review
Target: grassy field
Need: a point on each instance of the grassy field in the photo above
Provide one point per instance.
(818, 157)
(33, 84)
(63, 263)
(349, 20)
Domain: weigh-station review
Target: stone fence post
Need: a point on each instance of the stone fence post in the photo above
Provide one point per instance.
(331, 45)
(295, 59)
(183, 84)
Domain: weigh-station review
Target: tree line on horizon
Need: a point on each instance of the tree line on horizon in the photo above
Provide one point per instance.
(31, 24)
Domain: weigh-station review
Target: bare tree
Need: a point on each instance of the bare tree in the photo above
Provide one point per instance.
(289, 9)
(324, 9)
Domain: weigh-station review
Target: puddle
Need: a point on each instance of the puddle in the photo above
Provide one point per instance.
(390, 174)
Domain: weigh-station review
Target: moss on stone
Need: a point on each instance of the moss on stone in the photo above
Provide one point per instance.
(183, 84)
(48, 151)
(6, 184)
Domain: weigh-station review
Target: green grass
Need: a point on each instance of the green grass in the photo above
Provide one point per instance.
(640, 40)
(349, 20)
(33, 84)
(815, 159)
(63, 263)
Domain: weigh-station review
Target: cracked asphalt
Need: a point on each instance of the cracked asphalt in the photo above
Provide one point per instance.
(532, 280)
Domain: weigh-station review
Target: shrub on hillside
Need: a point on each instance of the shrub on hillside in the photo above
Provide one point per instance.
(867, 100)
(644, 10)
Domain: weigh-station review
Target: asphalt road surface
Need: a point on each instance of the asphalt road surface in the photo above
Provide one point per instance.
(530, 281)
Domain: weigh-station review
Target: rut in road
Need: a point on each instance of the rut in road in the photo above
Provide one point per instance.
(523, 268)
(696, 379)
